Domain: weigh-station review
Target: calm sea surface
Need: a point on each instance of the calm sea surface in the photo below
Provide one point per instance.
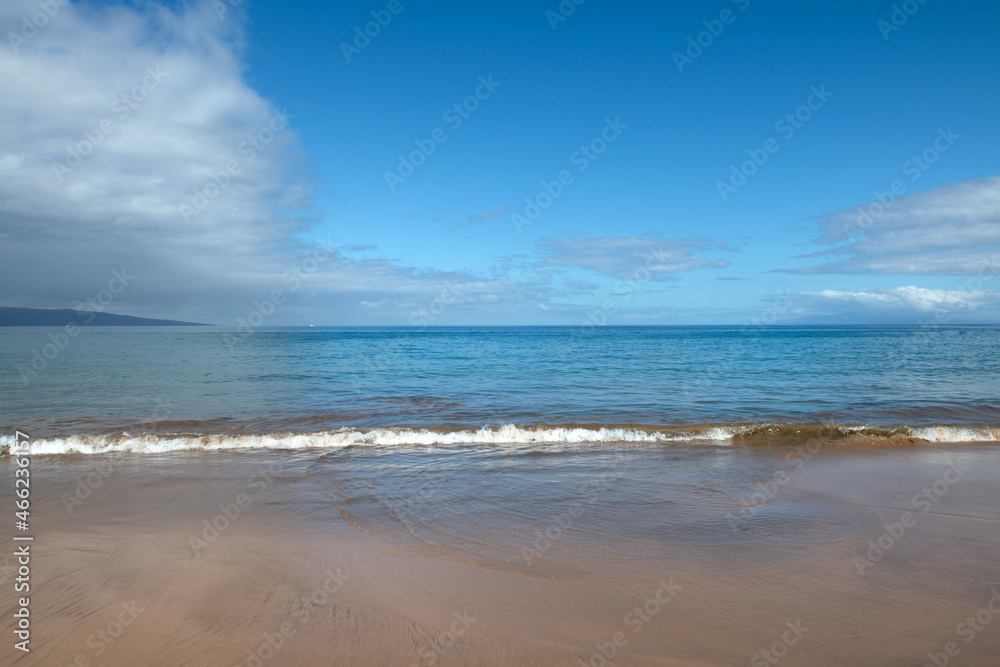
(305, 380)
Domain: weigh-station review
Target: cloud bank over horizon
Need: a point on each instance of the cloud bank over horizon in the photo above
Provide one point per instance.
(134, 142)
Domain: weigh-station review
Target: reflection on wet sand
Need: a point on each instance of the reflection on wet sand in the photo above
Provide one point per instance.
(495, 555)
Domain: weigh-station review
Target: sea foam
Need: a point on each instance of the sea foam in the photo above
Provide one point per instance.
(542, 436)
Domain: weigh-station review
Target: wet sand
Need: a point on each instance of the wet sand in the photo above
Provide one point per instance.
(646, 555)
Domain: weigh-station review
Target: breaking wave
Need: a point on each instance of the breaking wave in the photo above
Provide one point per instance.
(543, 436)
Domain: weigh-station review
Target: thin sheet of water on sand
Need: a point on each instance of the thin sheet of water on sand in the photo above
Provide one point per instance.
(498, 555)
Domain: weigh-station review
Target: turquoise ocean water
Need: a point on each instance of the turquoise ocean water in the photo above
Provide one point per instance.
(162, 388)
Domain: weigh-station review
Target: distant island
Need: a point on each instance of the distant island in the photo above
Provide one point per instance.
(38, 317)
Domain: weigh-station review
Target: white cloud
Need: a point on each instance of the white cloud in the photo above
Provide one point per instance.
(628, 256)
(110, 119)
(908, 303)
(133, 162)
(951, 230)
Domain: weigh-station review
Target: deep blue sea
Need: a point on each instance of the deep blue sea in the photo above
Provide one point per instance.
(162, 388)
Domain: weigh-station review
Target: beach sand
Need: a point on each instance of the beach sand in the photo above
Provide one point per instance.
(670, 560)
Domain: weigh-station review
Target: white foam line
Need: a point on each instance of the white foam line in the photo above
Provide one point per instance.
(502, 435)
(956, 434)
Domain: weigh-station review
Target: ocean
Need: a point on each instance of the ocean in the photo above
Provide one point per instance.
(503, 496)
(165, 389)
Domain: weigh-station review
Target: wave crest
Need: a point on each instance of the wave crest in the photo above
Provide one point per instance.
(760, 434)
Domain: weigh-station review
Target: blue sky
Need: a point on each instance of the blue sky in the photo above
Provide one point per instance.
(650, 226)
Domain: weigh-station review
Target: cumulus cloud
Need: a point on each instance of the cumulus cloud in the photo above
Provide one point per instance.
(130, 139)
(116, 118)
(951, 230)
(626, 256)
(908, 303)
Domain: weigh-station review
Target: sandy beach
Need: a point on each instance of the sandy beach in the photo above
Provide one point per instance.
(267, 558)
(560, 334)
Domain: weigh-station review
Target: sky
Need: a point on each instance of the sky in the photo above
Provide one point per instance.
(401, 162)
